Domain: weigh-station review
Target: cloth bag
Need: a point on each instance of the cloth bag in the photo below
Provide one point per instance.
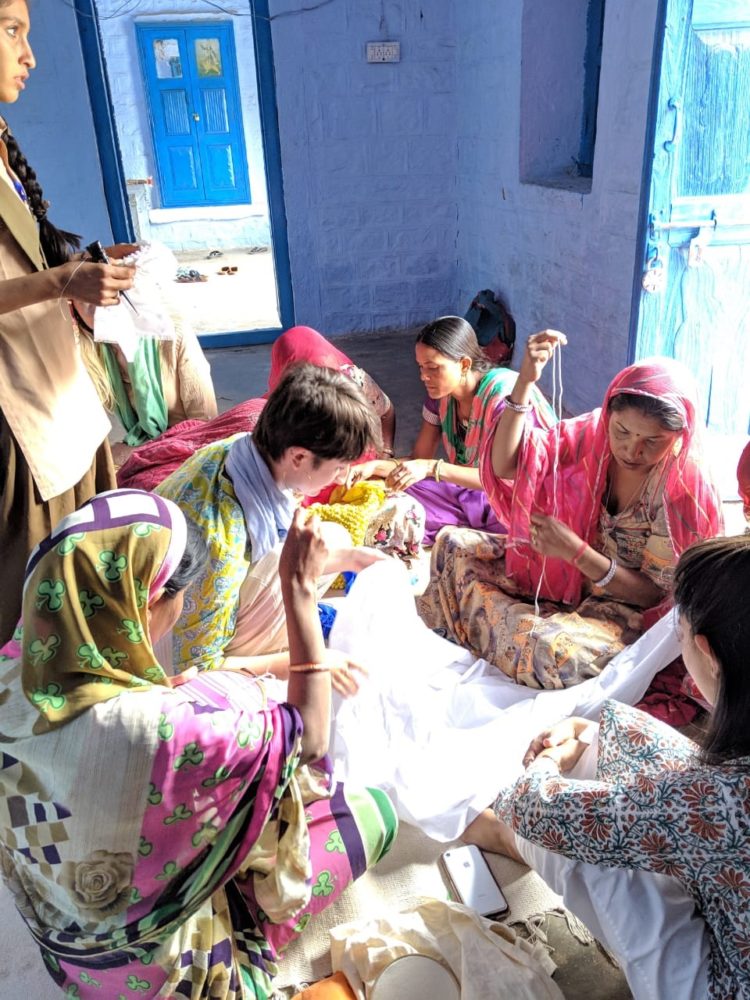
(487, 958)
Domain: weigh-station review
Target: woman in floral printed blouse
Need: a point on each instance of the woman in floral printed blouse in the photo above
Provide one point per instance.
(675, 817)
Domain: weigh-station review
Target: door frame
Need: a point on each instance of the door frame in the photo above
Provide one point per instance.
(114, 179)
(641, 239)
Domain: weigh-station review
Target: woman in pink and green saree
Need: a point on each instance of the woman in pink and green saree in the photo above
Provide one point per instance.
(165, 837)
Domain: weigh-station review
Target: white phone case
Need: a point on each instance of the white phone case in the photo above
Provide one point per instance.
(472, 881)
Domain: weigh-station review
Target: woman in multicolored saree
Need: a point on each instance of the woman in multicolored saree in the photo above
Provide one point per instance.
(599, 508)
(165, 840)
(463, 390)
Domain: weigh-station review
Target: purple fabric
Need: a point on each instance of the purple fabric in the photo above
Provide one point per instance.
(433, 405)
(446, 503)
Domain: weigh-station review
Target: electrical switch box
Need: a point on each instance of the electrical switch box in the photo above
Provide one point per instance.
(383, 52)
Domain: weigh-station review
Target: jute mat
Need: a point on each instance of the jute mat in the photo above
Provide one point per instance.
(410, 872)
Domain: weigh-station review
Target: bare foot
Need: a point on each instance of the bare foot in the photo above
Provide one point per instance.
(493, 835)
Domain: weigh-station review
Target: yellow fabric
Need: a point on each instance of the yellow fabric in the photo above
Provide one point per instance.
(353, 507)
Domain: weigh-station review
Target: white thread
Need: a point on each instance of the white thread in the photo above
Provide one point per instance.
(557, 395)
(61, 296)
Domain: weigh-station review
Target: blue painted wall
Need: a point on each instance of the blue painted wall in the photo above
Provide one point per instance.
(402, 185)
(563, 258)
(370, 161)
(52, 120)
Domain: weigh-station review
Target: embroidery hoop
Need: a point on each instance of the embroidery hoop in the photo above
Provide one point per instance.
(415, 976)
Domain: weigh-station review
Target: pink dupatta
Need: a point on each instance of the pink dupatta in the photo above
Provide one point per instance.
(579, 449)
(302, 343)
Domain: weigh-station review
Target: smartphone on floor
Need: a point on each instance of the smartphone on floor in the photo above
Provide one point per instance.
(472, 882)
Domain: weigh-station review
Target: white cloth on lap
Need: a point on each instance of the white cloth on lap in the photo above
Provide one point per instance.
(439, 731)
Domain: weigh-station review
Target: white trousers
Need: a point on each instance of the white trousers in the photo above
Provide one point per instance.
(645, 919)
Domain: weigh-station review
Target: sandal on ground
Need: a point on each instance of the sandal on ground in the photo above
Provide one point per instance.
(185, 274)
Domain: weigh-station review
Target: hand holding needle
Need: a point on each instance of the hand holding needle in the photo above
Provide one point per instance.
(99, 256)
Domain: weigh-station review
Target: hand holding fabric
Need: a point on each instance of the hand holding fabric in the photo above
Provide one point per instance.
(364, 470)
(95, 284)
(560, 743)
(342, 673)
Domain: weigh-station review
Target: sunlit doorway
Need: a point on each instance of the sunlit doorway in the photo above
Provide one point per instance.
(193, 132)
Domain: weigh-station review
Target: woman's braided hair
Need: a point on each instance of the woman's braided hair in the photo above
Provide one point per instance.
(57, 244)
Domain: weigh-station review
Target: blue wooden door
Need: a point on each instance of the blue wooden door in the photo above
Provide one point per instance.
(695, 298)
(196, 121)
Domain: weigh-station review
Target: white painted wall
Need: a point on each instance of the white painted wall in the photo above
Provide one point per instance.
(189, 229)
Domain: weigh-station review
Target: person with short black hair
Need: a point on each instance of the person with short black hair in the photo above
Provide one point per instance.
(242, 493)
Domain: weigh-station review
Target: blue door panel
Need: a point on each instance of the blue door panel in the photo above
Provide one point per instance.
(175, 118)
(220, 167)
(215, 116)
(193, 95)
(693, 305)
(182, 175)
(224, 164)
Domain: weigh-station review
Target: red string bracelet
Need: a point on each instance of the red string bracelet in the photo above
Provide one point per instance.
(579, 552)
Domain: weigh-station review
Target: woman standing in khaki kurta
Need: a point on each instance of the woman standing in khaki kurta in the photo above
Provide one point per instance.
(53, 428)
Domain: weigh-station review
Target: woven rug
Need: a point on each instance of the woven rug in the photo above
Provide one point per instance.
(410, 872)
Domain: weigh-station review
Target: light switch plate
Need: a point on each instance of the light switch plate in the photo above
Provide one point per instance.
(383, 52)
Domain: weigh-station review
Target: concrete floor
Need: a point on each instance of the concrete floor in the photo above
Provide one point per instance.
(584, 973)
(224, 303)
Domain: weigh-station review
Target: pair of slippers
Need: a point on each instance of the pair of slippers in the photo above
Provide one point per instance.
(185, 275)
(227, 269)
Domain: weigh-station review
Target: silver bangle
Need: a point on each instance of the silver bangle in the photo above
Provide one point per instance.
(607, 578)
(518, 407)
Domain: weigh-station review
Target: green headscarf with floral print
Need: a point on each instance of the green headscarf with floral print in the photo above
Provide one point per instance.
(85, 635)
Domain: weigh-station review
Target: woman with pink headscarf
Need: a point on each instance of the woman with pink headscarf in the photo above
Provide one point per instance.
(599, 508)
(303, 344)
